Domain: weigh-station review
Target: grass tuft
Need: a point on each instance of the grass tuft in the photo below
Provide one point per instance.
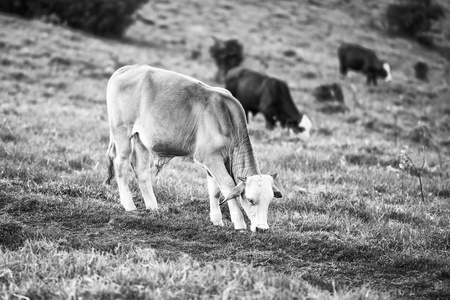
(11, 234)
(137, 273)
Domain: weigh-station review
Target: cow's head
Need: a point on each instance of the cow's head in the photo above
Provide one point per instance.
(302, 128)
(384, 71)
(387, 68)
(227, 54)
(256, 193)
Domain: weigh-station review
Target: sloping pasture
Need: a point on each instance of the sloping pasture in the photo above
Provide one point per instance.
(350, 224)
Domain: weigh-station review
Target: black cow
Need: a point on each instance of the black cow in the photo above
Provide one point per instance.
(360, 59)
(269, 96)
(227, 54)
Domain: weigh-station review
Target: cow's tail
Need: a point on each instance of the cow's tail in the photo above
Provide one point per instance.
(111, 153)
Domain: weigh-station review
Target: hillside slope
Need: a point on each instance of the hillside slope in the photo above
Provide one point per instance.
(313, 31)
(349, 218)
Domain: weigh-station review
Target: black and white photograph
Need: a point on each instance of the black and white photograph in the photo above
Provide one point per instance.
(224, 149)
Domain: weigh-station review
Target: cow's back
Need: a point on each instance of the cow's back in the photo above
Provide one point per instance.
(170, 111)
(247, 86)
(355, 56)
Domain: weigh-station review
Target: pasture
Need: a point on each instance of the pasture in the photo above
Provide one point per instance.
(350, 225)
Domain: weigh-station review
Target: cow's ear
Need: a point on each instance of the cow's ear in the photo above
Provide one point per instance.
(299, 129)
(276, 192)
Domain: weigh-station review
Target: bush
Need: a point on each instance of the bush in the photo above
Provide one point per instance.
(421, 70)
(101, 17)
(329, 92)
(411, 17)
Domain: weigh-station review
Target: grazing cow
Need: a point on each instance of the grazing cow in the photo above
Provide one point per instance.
(155, 115)
(227, 55)
(268, 95)
(360, 59)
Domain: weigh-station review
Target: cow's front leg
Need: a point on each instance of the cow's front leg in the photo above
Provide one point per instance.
(236, 215)
(270, 121)
(214, 194)
(343, 70)
(223, 180)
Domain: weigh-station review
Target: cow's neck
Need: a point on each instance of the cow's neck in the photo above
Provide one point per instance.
(243, 160)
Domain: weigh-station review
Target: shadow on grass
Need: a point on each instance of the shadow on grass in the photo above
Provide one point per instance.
(322, 257)
(11, 235)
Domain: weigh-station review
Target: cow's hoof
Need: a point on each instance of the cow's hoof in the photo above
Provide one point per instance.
(240, 225)
(130, 207)
(216, 219)
(218, 223)
(241, 230)
(264, 230)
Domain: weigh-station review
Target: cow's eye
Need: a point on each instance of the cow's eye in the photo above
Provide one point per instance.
(252, 202)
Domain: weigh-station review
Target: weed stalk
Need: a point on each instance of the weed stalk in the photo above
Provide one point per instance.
(407, 164)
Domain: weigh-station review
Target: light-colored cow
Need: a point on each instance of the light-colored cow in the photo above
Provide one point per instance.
(155, 115)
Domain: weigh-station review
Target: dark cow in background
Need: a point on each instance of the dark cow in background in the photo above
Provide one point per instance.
(360, 59)
(269, 96)
(227, 54)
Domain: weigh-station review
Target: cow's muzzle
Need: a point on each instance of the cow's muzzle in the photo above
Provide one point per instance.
(297, 129)
(306, 125)
(387, 68)
(260, 228)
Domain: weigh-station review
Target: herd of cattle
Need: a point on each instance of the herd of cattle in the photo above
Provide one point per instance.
(156, 114)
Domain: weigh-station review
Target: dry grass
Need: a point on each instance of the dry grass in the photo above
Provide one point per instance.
(349, 220)
(128, 272)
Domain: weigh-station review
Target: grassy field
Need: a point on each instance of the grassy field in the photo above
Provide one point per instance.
(350, 225)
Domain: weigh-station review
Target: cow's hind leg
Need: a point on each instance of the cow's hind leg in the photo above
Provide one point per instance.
(111, 153)
(342, 66)
(140, 160)
(214, 194)
(121, 165)
(374, 80)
